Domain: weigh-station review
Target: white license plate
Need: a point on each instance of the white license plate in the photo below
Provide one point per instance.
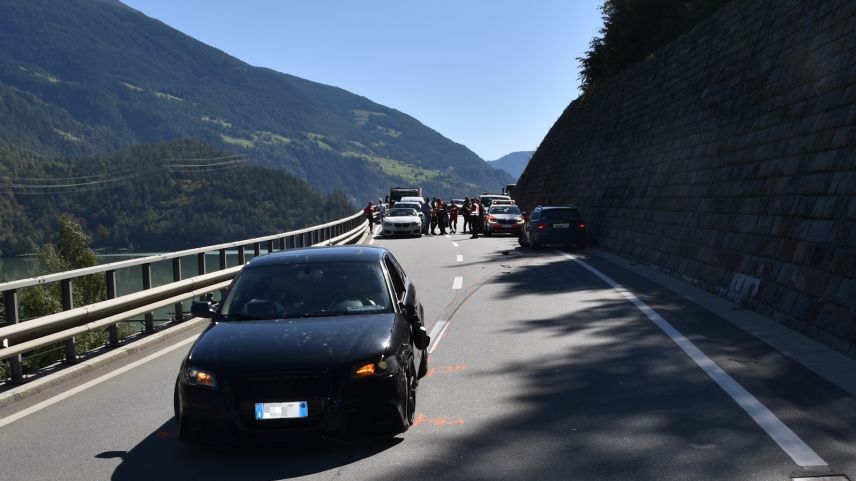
(289, 410)
(561, 226)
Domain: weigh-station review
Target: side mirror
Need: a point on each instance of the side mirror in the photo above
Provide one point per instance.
(421, 338)
(409, 302)
(205, 309)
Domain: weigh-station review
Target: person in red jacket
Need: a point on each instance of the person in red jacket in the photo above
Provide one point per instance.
(369, 212)
(453, 217)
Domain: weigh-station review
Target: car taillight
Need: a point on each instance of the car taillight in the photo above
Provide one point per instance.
(541, 226)
(582, 226)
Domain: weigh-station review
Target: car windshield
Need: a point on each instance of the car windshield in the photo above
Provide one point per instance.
(505, 209)
(318, 289)
(401, 213)
(408, 205)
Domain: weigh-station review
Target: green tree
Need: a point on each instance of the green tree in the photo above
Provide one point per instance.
(633, 29)
(70, 252)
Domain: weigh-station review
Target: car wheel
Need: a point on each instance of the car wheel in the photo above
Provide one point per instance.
(521, 240)
(487, 233)
(412, 383)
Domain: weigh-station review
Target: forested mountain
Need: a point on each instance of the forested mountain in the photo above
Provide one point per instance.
(154, 198)
(513, 163)
(89, 77)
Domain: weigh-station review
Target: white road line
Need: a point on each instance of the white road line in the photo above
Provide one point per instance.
(71, 392)
(456, 244)
(795, 447)
(460, 258)
(458, 283)
(436, 334)
(374, 233)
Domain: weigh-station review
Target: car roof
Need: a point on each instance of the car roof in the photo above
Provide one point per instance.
(357, 253)
(556, 207)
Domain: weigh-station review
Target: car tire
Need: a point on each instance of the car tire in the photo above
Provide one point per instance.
(487, 233)
(423, 368)
(521, 240)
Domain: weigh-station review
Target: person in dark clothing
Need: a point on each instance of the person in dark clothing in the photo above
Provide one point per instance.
(442, 217)
(465, 213)
(475, 216)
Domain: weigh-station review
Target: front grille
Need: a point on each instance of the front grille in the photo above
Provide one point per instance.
(507, 221)
(316, 388)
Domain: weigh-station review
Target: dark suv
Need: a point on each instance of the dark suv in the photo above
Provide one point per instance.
(554, 225)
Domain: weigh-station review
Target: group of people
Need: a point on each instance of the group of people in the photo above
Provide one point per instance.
(440, 214)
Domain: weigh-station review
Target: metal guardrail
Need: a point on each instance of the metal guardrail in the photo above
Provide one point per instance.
(19, 337)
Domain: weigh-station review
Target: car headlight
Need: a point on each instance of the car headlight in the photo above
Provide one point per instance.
(370, 369)
(386, 222)
(198, 377)
(520, 221)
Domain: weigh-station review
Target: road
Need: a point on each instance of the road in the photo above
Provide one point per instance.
(543, 370)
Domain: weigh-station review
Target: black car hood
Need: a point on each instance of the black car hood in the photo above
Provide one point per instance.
(291, 344)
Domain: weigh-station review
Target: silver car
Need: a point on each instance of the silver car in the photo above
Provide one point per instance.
(402, 221)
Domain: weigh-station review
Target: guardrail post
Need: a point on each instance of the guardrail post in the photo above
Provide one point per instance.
(222, 259)
(270, 246)
(200, 262)
(10, 300)
(67, 305)
(242, 256)
(147, 284)
(257, 249)
(113, 330)
(176, 276)
(282, 243)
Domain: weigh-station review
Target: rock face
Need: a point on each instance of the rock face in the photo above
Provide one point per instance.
(728, 158)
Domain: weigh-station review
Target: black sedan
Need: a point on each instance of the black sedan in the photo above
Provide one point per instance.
(318, 342)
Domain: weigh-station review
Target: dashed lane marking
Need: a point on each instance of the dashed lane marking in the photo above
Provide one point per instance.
(456, 244)
(458, 282)
(460, 258)
(795, 447)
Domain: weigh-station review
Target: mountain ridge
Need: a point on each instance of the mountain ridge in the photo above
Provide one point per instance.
(513, 163)
(67, 91)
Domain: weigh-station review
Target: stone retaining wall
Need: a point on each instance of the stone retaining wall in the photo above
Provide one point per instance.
(728, 158)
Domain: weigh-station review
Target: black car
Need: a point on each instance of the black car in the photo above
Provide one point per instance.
(554, 225)
(318, 342)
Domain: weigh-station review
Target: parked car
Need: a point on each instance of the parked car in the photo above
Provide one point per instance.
(316, 342)
(419, 200)
(415, 206)
(402, 221)
(503, 219)
(487, 199)
(458, 202)
(554, 225)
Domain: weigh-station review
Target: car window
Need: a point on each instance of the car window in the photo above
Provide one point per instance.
(395, 275)
(307, 290)
(402, 213)
(504, 209)
(560, 214)
(536, 215)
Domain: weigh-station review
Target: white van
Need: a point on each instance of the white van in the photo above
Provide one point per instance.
(412, 199)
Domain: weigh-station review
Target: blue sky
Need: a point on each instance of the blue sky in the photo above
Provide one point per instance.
(493, 75)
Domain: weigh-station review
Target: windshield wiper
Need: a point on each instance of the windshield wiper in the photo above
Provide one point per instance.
(239, 316)
(322, 314)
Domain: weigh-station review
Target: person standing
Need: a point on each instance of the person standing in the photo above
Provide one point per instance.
(369, 213)
(453, 218)
(465, 213)
(442, 217)
(426, 216)
(381, 209)
(475, 215)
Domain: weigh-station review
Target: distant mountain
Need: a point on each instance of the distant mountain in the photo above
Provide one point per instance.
(156, 197)
(89, 77)
(513, 163)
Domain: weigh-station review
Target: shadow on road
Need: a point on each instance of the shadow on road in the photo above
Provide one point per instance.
(161, 457)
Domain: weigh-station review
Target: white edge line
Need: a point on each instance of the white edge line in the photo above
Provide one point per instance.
(71, 392)
(795, 447)
(460, 258)
(436, 334)
(458, 282)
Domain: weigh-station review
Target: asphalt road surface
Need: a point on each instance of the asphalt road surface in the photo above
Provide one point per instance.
(540, 370)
